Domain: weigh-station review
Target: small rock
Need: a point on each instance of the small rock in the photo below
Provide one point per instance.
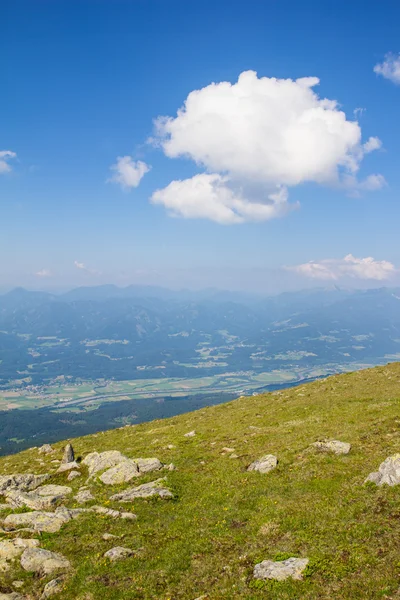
(228, 450)
(109, 536)
(155, 488)
(190, 434)
(43, 562)
(170, 447)
(73, 475)
(18, 584)
(11, 596)
(68, 467)
(84, 496)
(388, 473)
(56, 461)
(69, 455)
(53, 587)
(265, 464)
(281, 570)
(99, 462)
(4, 565)
(332, 446)
(122, 473)
(10, 549)
(54, 490)
(45, 449)
(170, 467)
(118, 553)
(146, 465)
(233, 455)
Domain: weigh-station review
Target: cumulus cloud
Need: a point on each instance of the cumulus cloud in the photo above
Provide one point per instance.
(360, 268)
(127, 172)
(265, 132)
(44, 273)
(213, 196)
(83, 267)
(389, 68)
(5, 157)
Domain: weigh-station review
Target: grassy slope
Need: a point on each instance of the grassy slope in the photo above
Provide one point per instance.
(224, 519)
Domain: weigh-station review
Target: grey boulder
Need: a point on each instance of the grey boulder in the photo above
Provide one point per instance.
(118, 553)
(69, 455)
(21, 482)
(146, 490)
(280, 570)
(388, 473)
(334, 446)
(265, 464)
(43, 562)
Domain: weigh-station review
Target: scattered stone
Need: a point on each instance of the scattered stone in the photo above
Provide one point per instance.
(280, 570)
(332, 446)
(68, 467)
(73, 475)
(22, 483)
(114, 514)
(11, 596)
(49, 522)
(43, 562)
(32, 500)
(109, 536)
(69, 455)
(190, 434)
(170, 447)
(228, 450)
(233, 455)
(45, 449)
(146, 465)
(55, 461)
(4, 565)
(99, 462)
(265, 464)
(388, 473)
(122, 473)
(18, 584)
(53, 587)
(10, 549)
(170, 467)
(118, 553)
(84, 496)
(54, 490)
(154, 488)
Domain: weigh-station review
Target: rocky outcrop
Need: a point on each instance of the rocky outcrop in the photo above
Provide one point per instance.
(334, 446)
(10, 549)
(154, 488)
(21, 482)
(49, 522)
(43, 562)
(388, 473)
(45, 449)
(265, 464)
(118, 468)
(68, 467)
(280, 570)
(96, 462)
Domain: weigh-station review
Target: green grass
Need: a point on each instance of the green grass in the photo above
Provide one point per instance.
(223, 519)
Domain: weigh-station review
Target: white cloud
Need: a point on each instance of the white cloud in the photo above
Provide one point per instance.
(273, 133)
(44, 273)
(127, 172)
(389, 68)
(83, 267)
(360, 268)
(212, 196)
(5, 156)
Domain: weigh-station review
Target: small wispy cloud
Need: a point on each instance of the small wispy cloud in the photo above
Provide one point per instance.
(5, 157)
(44, 273)
(389, 68)
(127, 172)
(351, 266)
(83, 267)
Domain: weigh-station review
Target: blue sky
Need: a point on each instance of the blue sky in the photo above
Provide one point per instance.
(83, 83)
